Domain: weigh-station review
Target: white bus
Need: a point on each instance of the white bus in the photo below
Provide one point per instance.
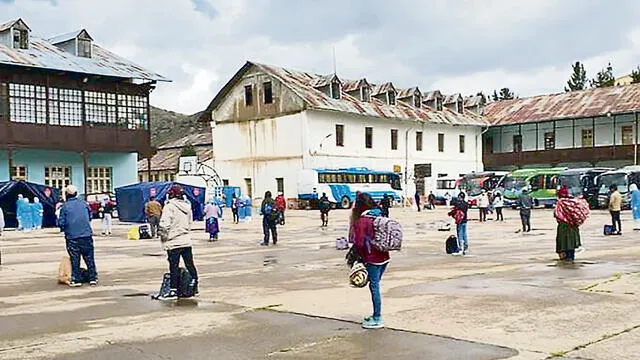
(341, 185)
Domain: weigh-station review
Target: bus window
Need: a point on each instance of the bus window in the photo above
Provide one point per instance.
(362, 179)
(537, 182)
(340, 178)
(551, 182)
(334, 178)
(384, 178)
(351, 178)
(321, 179)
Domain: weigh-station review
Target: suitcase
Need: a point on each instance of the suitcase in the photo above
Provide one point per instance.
(185, 288)
(144, 231)
(608, 230)
(451, 245)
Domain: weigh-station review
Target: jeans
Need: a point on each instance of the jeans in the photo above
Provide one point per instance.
(525, 217)
(106, 224)
(324, 216)
(154, 221)
(173, 256)
(499, 215)
(615, 219)
(81, 247)
(269, 225)
(463, 241)
(235, 215)
(375, 274)
(483, 214)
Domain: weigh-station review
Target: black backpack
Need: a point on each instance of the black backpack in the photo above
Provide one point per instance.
(451, 244)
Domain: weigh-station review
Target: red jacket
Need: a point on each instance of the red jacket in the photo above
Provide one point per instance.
(281, 203)
(360, 235)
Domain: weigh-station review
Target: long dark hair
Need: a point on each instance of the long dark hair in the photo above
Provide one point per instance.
(363, 203)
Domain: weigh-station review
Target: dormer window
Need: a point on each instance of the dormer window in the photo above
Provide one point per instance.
(365, 93)
(417, 100)
(20, 39)
(335, 90)
(78, 43)
(84, 48)
(391, 97)
(438, 104)
(459, 106)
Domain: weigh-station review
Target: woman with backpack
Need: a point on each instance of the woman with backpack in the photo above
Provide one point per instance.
(269, 219)
(361, 233)
(459, 214)
(570, 214)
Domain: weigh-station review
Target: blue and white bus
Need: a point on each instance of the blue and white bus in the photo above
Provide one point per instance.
(341, 185)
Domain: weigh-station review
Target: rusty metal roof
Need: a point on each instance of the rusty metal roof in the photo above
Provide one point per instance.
(168, 155)
(353, 85)
(431, 95)
(197, 139)
(450, 99)
(472, 101)
(382, 89)
(568, 105)
(405, 93)
(44, 55)
(299, 83)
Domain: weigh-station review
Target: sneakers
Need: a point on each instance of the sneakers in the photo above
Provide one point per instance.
(74, 284)
(194, 286)
(93, 283)
(371, 322)
(171, 295)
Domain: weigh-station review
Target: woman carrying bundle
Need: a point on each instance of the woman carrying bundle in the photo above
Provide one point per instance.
(570, 214)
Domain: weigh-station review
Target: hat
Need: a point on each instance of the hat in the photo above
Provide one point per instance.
(71, 190)
(175, 191)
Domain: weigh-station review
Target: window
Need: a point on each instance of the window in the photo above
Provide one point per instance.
(417, 100)
(368, 137)
(20, 39)
(459, 107)
(84, 48)
(225, 182)
(418, 140)
(280, 185)
(551, 182)
(248, 95)
(339, 135)
(57, 176)
(27, 103)
(440, 142)
(537, 182)
(140, 178)
(19, 172)
(627, 135)
(517, 143)
(100, 108)
(365, 93)
(391, 97)
(335, 90)
(268, 93)
(461, 139)
(132, 111)
(549, 140)
(587, 137)
(394, 139)
(99, 180)
(247, 183)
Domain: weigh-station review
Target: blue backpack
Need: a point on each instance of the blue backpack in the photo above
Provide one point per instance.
(268, 209)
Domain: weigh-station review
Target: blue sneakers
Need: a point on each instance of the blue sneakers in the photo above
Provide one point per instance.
(371, 322)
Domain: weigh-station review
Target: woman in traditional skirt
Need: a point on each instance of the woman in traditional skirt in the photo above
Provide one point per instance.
(570, 214)
(211, 214)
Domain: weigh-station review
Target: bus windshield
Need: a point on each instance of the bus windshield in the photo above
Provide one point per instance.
(515, 183)
(606, 180)
(472, 186)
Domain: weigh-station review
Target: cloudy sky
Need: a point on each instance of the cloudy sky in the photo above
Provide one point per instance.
(452, 45)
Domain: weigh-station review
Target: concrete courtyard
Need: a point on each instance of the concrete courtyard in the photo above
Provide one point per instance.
(509, 300)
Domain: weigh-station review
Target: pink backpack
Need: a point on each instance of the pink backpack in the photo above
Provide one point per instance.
(388, 234)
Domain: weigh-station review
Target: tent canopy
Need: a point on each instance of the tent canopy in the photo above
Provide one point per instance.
(48, 196)
(131, 199)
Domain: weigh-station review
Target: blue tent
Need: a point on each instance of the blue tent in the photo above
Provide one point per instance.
(48, 196)
(131, 199)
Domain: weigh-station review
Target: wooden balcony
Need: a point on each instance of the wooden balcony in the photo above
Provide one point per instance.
(590, 155)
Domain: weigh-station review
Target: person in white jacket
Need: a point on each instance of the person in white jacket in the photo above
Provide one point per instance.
(174, 229)
(498, 204)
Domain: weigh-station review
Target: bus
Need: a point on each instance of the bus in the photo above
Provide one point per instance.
(543, 184)
(623, 178)
(583, 182)
(341, 185)
(473, 183)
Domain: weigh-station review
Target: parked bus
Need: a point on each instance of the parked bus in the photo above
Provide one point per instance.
(446, 187)
(622, 178)
(473, 183)
(341, 185)
(543, 184)
(583, 182)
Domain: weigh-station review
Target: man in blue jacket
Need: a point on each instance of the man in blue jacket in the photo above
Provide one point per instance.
(75, 222)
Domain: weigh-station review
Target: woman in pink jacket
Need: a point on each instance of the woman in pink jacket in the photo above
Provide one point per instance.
(360, 233)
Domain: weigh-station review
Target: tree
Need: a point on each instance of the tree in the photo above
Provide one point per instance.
(635, 76)
(495, 97)
(578, 80)
(604, 78)
(188, 150)
(506, 94)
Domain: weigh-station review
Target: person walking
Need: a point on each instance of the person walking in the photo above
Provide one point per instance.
(153, 211)
(525, 202)
(385, 204)
(570, 213)
(376, 261)
(37, 213)
(235, 204)
(174, 229)
(212, 212)
(615, 206)
(635, 205)
(431, 200)
(483, 204)
(459, 214)
(281, 206)
(417, 198)
(325, 206)
(75, 222)
(106, 212)
(269, 218)
(498, 204)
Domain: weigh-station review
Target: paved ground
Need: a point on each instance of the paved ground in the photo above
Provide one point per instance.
(510, 299)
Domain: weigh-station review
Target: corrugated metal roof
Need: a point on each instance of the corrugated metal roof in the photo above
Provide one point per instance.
(197, 139)
(431, 95)
(299, 83)
(353, 85)
(405, 93)
(10, 23)
(382, 89)
(169, 159)
(42, 54)
(450, 99)
(68, 36)
(472, 101)
(573, 104)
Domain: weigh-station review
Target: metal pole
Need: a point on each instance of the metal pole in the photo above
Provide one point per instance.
(406, 161)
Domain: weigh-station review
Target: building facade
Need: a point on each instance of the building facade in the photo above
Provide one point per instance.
(595, 127)
(269, 123)
(70, 111)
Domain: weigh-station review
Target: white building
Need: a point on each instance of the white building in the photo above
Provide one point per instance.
(268, 123)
